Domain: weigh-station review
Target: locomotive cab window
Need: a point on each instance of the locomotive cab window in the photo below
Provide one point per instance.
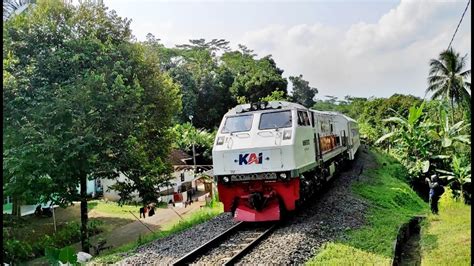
(275, 120)
(303, 119)
(240, 123)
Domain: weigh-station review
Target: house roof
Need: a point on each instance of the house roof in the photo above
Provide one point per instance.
(178, 157)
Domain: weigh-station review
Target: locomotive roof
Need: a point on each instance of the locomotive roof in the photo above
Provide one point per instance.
(335, 114)
(279, 105)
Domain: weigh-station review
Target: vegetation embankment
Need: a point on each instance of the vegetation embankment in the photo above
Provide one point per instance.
(446, 238)
(391, 203)
(198, 217)
(26, 238)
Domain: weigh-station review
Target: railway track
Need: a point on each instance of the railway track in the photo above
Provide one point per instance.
(230, 246)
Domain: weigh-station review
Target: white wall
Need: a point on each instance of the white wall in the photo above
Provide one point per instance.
(113, 195)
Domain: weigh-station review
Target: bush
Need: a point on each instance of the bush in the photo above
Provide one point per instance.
(16, 250)
(69, 234)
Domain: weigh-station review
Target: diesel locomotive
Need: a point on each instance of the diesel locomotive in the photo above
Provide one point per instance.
(269, 157)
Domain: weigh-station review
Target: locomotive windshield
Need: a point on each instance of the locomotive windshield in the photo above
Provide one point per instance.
(275, 120)
(240, 123)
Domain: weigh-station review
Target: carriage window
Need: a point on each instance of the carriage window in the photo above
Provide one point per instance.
(275, 120)
(240, 123)
(355, 132)
(303, 119)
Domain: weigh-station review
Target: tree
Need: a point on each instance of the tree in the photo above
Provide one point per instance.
(449, 80)
(302, 92)
(253, 78)
(275, 96)
(81, 102)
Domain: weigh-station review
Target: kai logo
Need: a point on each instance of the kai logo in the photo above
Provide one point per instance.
(250, 158)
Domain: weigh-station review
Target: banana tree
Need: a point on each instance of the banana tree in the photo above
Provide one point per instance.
(450, 134)
(460, 172)
(411, 142)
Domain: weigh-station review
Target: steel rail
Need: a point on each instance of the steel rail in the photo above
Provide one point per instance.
(250, 246)
(192, 255)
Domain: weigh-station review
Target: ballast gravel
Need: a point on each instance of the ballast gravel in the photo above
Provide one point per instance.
(167, 250)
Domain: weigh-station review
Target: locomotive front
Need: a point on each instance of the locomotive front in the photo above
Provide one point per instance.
(256, 156)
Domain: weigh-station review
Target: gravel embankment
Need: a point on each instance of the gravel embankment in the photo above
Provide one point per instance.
(166, 250)
(333, 213)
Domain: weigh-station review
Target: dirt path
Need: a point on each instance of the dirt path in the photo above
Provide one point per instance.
(162, 219)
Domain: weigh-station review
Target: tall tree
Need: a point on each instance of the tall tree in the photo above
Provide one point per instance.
(81, 101)
(253, 78)
(302, 92)
(448, 78)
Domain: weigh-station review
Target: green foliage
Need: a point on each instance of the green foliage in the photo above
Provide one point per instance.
(391, 203)
(81, 101)
(423, 144)
(274, 96)
(16, 250)
(302, 92)
(253, 78)
(52, 255)
(21, 251)
(67, 255)
(449, 80)
(185, 135)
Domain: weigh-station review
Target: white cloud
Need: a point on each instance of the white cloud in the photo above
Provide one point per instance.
(390, 56)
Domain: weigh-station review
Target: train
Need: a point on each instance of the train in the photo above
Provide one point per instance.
(271, 157)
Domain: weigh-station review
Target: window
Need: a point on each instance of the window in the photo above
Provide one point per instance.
(355, 132)
(332, 129)
(240, 123)
(275, 120)
(303, 119)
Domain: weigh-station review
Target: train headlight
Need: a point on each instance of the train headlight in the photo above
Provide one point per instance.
(283, 176)
(220, 140)
(287, 134)
(226, 179)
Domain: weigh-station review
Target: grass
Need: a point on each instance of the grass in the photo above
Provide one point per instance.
(113, 209)
(446, 238)
(391, 203)
(7, 207)
(198, 217)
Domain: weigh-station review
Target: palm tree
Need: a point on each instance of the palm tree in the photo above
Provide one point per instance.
(12, 6)
(448, 79)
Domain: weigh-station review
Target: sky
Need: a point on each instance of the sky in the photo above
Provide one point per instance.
(357, 48)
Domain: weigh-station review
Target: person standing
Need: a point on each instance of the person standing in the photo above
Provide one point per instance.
(143, 211)
(435, 192)
(152, 211)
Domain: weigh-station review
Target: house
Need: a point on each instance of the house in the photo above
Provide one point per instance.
(184, 178)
